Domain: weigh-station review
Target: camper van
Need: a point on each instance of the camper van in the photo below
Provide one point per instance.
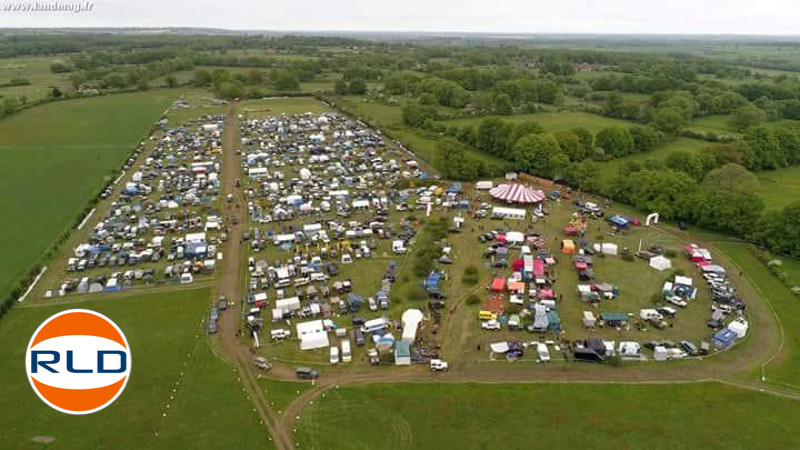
(374, 325)
(347, 355)
(543, 352)
(334, 355)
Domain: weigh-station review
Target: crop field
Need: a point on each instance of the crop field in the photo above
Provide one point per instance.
(35, 70)
(54, 158)
(406, 416)
(180, 393)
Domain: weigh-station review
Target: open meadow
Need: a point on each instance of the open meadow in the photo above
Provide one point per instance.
(37, 72)
(180, 394)
(517, 416)
(54, 158)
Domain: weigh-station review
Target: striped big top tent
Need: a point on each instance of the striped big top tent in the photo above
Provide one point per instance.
(516, 193)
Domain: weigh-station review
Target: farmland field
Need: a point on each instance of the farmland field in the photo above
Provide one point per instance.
(54, 157)
(35, 70)
(548, 416)
(170, 351)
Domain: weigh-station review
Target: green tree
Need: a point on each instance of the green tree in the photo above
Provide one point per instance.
(201, 77)
(644, 138)
(584, 175)
(493, 136)
(670, 120)
(587, 140)
(533, 153)
(503, 105)
(615, 141)
(731, 178)
(570, 144)
(255, 77)
(358, 86)
(171, 81)
(683, 161)
(340, 87)
(746, 117)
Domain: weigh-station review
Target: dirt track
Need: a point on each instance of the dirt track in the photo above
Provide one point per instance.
(229, 282)
(763, 341)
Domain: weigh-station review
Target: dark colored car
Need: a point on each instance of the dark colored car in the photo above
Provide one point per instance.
(306, 373)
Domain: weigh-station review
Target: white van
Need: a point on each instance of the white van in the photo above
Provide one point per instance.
(544, 353)
(374, 324)
(334, 355)
(318, 276)
(347, 356)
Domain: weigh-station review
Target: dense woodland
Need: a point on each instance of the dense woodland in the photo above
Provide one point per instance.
(656, 96)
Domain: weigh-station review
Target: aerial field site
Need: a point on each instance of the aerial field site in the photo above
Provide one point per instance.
(422, 225)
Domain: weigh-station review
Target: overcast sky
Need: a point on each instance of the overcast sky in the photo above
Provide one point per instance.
(510, 16)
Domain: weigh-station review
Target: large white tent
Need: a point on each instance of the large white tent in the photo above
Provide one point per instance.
(312, 335)
(411, 319)
(516, 193)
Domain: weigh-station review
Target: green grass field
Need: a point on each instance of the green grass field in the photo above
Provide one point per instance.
(282, 105)
(170, 358)
(518, 416)
(37, 71)
(783, 370)
(718, 124)
(611, 167)
(780, 187)
(53, 158)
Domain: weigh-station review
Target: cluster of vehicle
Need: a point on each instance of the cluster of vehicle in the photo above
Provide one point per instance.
(724, 297)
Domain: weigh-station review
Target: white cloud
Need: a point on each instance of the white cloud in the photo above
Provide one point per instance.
(515, 16)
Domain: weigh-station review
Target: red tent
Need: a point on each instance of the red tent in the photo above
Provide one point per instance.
(498, 284)
(538, 267)
(516, 193)
(517, 265)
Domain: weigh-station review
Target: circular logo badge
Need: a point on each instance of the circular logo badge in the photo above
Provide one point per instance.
(78, 361)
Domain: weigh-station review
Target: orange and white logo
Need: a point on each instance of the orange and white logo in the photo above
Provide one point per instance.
(78, 361)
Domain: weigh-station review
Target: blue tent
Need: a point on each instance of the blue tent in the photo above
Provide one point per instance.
(433, 280)
(724, 338)
(454, 188)
(553, 320)
(355, 301)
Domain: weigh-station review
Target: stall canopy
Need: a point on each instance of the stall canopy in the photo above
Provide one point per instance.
(516, 193)
(498, 284)
(660, 263)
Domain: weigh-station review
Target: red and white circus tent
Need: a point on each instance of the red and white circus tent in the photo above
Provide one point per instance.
(516, 193)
